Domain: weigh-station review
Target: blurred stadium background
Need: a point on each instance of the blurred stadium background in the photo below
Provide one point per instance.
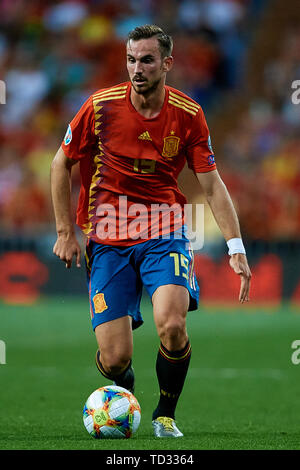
(238, 59)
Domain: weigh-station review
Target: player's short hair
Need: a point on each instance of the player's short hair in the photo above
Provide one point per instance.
(149, 31)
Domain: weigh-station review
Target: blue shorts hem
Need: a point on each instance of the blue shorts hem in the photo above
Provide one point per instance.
(96, 320)
(194, 295)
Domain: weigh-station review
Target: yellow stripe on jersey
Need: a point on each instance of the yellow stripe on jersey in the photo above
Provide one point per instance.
(113, 93)
(87, 260)
(186, 102)
(182, 106)
(97, 109)
(110, 90)
(193, 108)
(88, 227)
(111, 97)
(105, 95)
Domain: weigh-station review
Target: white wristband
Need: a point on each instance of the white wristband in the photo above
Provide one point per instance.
(235, 245)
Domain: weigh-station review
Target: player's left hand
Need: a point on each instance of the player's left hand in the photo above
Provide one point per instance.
(239, 264)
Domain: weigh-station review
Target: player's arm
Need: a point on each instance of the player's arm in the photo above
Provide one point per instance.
(225, 215)
(66, 245)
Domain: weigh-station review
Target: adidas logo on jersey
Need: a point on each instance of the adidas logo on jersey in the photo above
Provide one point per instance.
(144, 136)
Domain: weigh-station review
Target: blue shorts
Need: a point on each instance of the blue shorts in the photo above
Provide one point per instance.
(116, 276)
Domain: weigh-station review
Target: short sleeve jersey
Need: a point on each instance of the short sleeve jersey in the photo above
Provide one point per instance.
(129, 164)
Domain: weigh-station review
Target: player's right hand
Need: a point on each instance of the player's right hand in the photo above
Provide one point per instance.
(67, 246)
(239, 264)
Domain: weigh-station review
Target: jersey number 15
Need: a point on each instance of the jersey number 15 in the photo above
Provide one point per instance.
(143, 165)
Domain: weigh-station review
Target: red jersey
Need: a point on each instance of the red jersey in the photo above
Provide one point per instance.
(129, 164)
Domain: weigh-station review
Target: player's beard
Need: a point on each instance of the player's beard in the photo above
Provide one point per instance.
(146, 90)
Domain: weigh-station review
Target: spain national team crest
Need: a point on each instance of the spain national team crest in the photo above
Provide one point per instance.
(171, 146)
(99, 303)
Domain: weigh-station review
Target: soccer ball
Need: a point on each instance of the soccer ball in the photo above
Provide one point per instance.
(111, 412)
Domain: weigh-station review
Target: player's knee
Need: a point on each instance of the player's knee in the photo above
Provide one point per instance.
(173, 333)
(115, 362)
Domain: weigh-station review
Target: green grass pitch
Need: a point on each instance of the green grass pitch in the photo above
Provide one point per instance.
(242, 389)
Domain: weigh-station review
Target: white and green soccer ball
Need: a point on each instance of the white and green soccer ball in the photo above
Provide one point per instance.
(111, 412)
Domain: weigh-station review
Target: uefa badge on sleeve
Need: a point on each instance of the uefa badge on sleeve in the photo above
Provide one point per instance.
(211, 159)
(68, 136)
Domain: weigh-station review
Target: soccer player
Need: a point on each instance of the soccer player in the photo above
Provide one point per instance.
(131, 141)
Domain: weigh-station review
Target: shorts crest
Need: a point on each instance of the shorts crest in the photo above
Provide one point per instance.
(99, 303)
